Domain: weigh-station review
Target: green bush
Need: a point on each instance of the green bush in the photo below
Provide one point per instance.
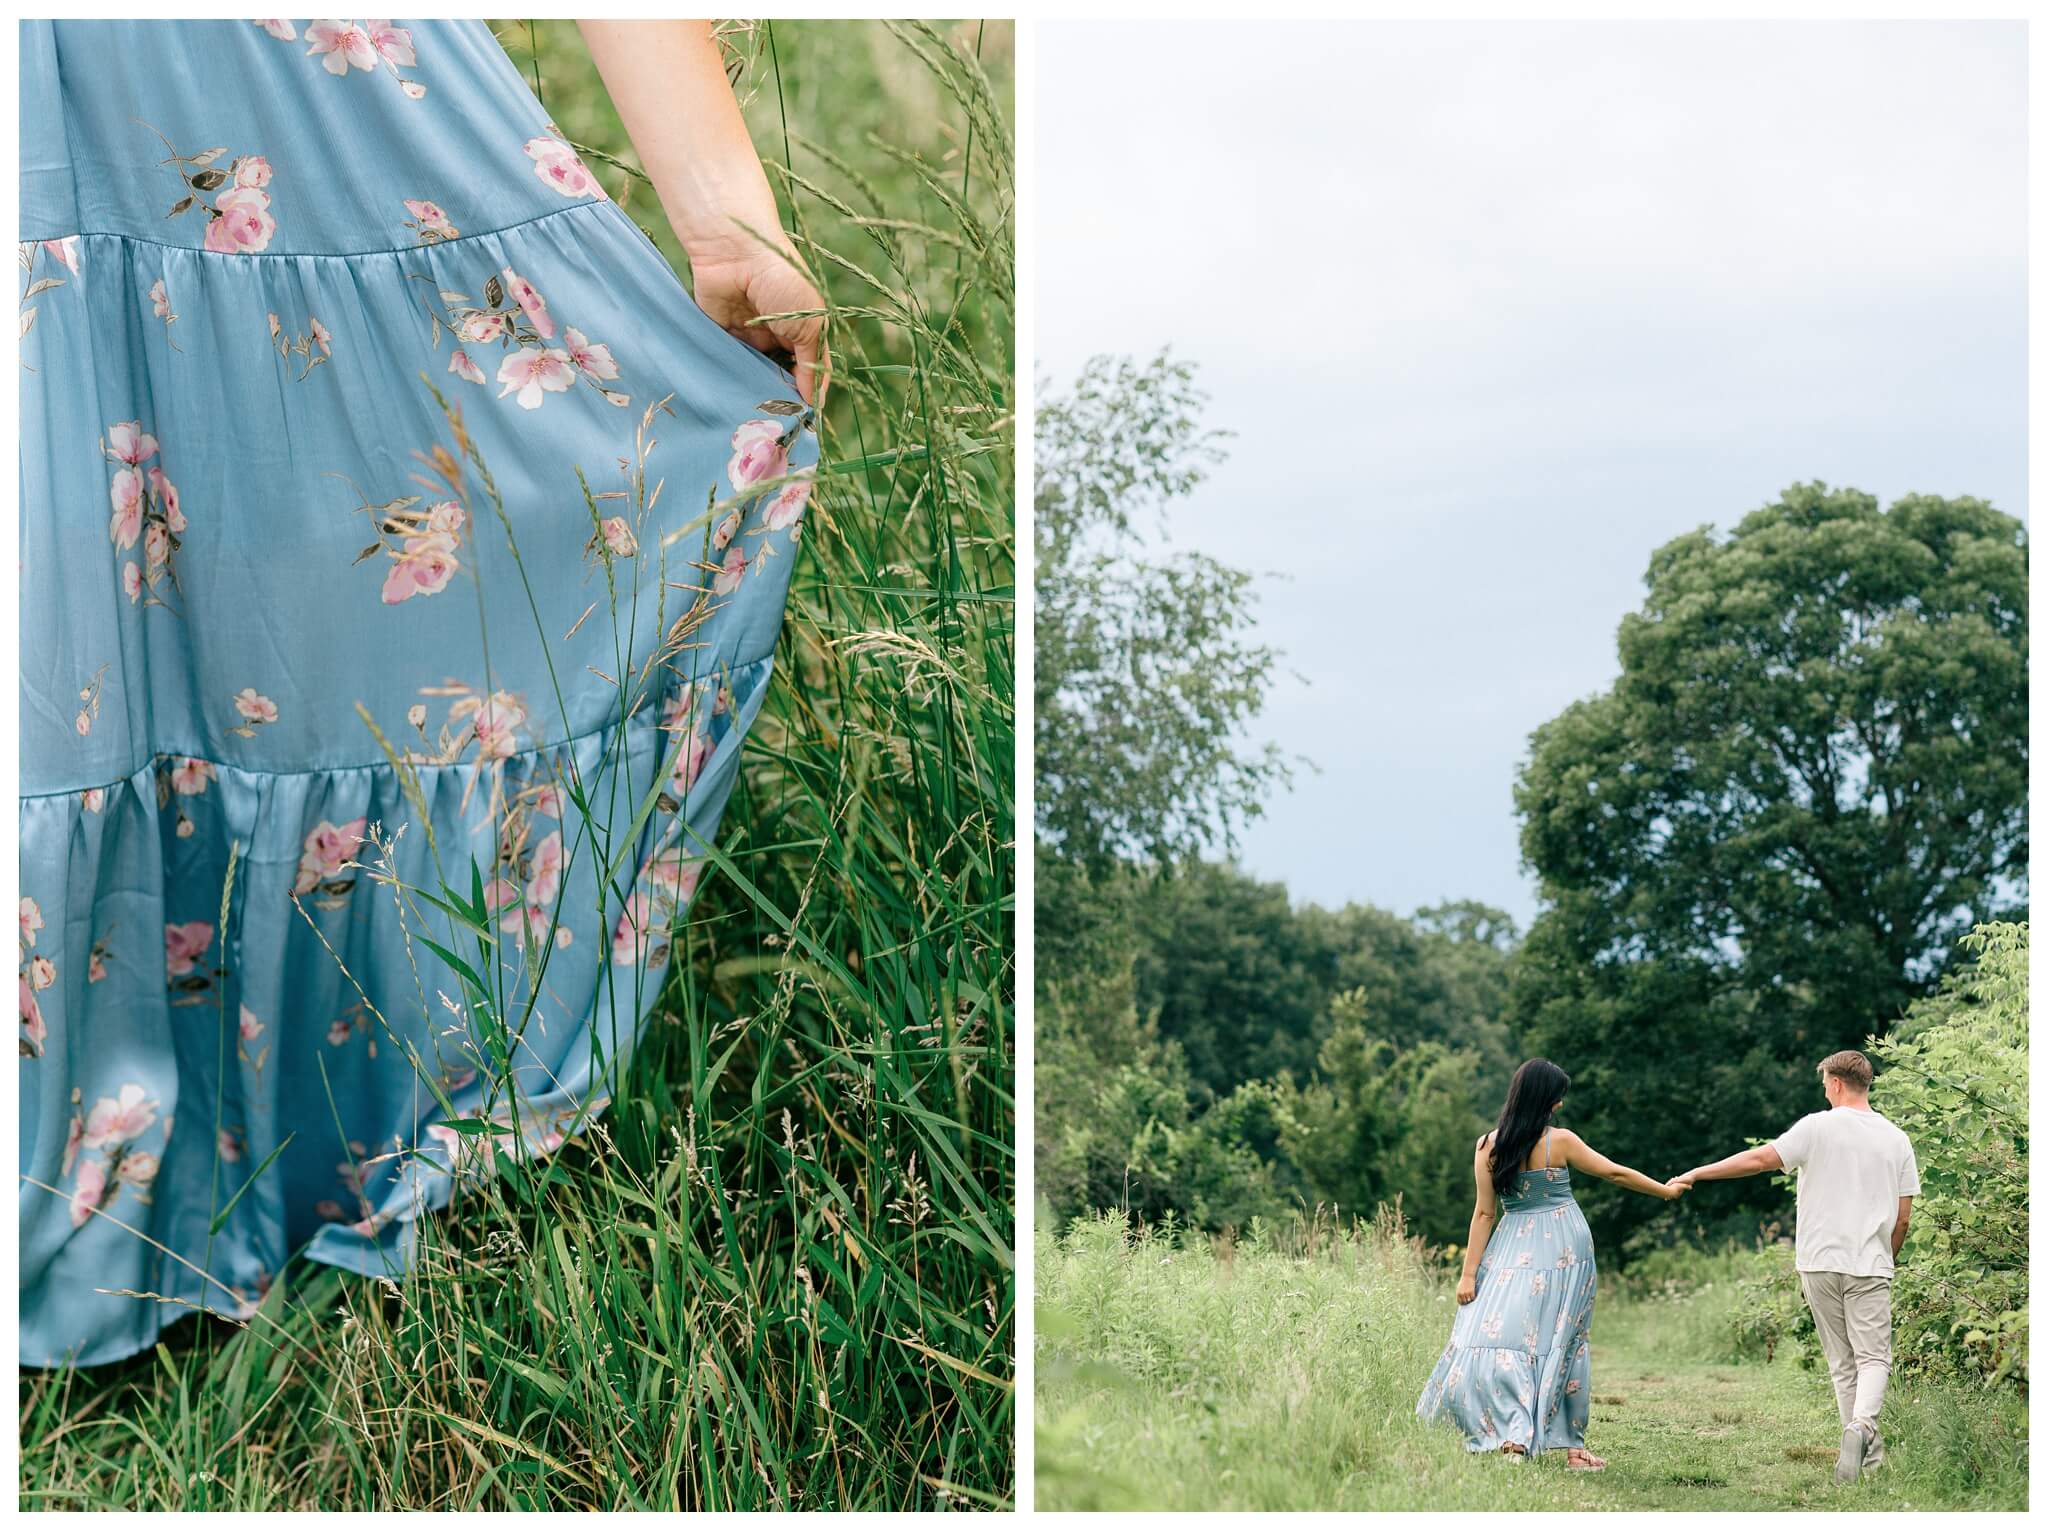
(1954, 1079)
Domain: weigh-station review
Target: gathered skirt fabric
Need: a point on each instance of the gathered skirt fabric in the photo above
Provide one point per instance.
(304, 648)
(1518, 1367)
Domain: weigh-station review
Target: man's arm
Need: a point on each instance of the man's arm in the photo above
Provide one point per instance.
(1899, 1227)
(1760, 1160)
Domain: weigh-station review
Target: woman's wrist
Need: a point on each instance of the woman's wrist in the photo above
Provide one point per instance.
(722, 217)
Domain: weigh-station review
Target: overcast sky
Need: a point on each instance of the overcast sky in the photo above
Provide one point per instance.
(1494, 310)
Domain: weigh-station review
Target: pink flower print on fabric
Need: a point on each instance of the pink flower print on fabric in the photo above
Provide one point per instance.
(393, 44)
(758, 454)
(128, 442)
(184, 945)
(166, 493)
(593, 361)
(532, 372)
(326, 853)
(254, 706)
(556, 164)
(498, 717)
(340, 46)
(787, 508)
(126, 524)
(242, 224)
(629, 938)
(429, 222)
(533, 914)
(238, 222)
(424, 567)
(88, 1191)
(35, 1031)
(531, 304)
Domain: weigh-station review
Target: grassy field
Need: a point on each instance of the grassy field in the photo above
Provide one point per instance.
(780, 1273)
(1282, 1374)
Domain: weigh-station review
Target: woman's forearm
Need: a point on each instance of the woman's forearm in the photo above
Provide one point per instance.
(668, 82)
(1475, 1240)
(1634, 1180)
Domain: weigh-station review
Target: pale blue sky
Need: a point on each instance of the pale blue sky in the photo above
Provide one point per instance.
(1496, 309)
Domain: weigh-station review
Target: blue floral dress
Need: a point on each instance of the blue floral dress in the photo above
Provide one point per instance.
(1518, 1367)
(371, 742)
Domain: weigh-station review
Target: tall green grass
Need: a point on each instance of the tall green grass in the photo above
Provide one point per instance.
(1280, 1371)
(779, 1274)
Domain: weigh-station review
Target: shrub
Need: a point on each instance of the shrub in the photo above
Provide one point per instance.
(1954, 1078)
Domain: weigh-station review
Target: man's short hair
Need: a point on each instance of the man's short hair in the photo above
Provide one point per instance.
(1852, 1068)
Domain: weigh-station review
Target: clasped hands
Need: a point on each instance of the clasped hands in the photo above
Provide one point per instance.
(1678, 1185)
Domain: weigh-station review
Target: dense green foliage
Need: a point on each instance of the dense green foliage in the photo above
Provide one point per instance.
(1223, 1055)
(1765, 840)
(1279, 1371)
(779, 1273)
(1204, 1048)
(1953, 1076)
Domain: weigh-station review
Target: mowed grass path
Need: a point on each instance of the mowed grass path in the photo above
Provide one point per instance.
(1170, 1378)
(1679, 1433)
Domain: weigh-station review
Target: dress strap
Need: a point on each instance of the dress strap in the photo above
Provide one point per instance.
(1546, 1148)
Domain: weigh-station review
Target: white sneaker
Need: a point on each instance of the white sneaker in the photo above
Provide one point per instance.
(1849, 1465)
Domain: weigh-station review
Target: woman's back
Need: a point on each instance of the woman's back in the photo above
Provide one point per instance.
(1546, 1154)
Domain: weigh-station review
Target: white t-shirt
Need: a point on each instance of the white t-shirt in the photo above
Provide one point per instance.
(1853, 1168)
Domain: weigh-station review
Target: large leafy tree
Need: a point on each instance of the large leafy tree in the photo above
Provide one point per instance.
(1766, 839)
(1146, 668)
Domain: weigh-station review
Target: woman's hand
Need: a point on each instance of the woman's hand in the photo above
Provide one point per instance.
(1468, 1288)
(737, 290)
(667, 79)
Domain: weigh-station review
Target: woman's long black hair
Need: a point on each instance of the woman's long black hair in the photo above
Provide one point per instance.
(1537, 1086)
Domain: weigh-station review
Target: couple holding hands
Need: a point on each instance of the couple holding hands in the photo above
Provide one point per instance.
(1516, 1376)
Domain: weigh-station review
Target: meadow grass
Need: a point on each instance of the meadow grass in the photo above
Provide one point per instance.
(1280, 1372)
(779, 1273)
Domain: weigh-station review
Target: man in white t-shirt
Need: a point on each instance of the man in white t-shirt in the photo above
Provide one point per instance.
(1857, 1181)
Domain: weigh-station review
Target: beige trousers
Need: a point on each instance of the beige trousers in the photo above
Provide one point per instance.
(1854, 1317)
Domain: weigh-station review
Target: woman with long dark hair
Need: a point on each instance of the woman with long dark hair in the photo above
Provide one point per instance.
(1517, 1374)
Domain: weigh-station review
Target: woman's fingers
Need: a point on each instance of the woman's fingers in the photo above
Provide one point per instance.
(813, 373)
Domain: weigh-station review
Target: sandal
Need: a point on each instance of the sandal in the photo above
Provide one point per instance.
(1514, 1454)
(1580, 1460)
